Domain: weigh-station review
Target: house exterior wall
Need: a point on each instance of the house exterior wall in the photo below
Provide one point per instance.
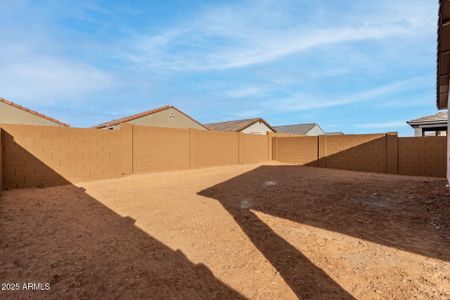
(169, 118)
(418, 131)
(315, 131)
(257, 128)
(13, 115)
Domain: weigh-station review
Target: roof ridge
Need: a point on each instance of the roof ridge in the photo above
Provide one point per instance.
(143, 114)
(291, 125)
(231, 121)
(3, 100)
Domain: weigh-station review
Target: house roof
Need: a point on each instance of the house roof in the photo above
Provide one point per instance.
(236, 125)
(443, 55)
(33, 112)
(143, 114)
(440, 117)
(301, 129)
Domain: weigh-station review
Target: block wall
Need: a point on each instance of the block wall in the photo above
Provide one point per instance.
(38, 156)
(378, 153)
(210, 148)
(253, 148)
(361, 152)
(297, 150)
(160, 149)
(1, 162)
(423, 156)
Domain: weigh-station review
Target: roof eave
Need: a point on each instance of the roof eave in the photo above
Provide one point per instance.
(443, 55)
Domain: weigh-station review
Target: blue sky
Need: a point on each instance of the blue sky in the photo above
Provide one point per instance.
(352, 66)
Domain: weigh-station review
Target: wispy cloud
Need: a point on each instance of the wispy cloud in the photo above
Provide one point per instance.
(237, 36)
(302, 102)
(29, 77)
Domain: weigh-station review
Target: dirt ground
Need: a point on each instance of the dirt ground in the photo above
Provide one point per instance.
(252, 231)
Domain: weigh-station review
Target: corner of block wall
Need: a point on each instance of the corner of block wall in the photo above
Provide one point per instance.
(1, 161)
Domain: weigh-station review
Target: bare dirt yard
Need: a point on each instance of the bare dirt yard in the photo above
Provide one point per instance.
(252, 231)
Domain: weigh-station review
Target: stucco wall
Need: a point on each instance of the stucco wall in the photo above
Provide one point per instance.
(315, 131)
(169, 118)
(257, 128)
(13, 115)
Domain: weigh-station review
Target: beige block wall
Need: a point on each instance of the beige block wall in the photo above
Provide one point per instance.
(297, 150)
(39, 156)
(160, 149)
(423, 156)
(1, 161)
(253, 148)
(210, 148)
(12, 115)
(362, 152)
(378, 153)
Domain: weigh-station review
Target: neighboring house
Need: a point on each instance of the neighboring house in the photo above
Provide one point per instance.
(11, 113)
(443, 65)
(255, 126)
(166, 116)
(311, 129)
(434, 125)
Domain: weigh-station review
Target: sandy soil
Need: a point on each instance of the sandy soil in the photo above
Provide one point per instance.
(252, 231)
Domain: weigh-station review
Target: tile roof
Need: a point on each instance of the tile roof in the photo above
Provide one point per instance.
(33, 112)
(440, 117)
(296, 128)
(236, 125)
(143, 114)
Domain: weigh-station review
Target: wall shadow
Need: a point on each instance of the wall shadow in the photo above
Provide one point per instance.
(367, 208)
(65, 237)
(380, 155)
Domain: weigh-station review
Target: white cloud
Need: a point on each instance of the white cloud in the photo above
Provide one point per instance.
(40, 78)
(236, 36)
(302, 102)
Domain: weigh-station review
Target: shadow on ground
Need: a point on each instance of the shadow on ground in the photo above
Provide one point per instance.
(372, 208)
(87, 251)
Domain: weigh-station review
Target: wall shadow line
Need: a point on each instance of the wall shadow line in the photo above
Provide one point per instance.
(373, 209)
(66, 237)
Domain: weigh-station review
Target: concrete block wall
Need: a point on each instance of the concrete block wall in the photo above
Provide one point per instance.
(160, 149)
(37, 156)
(41, 156)
(362, 152)
(378, 153)
(297, 150)
(423, 156)
(209, 148)
(1, 162)
(253, 148)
